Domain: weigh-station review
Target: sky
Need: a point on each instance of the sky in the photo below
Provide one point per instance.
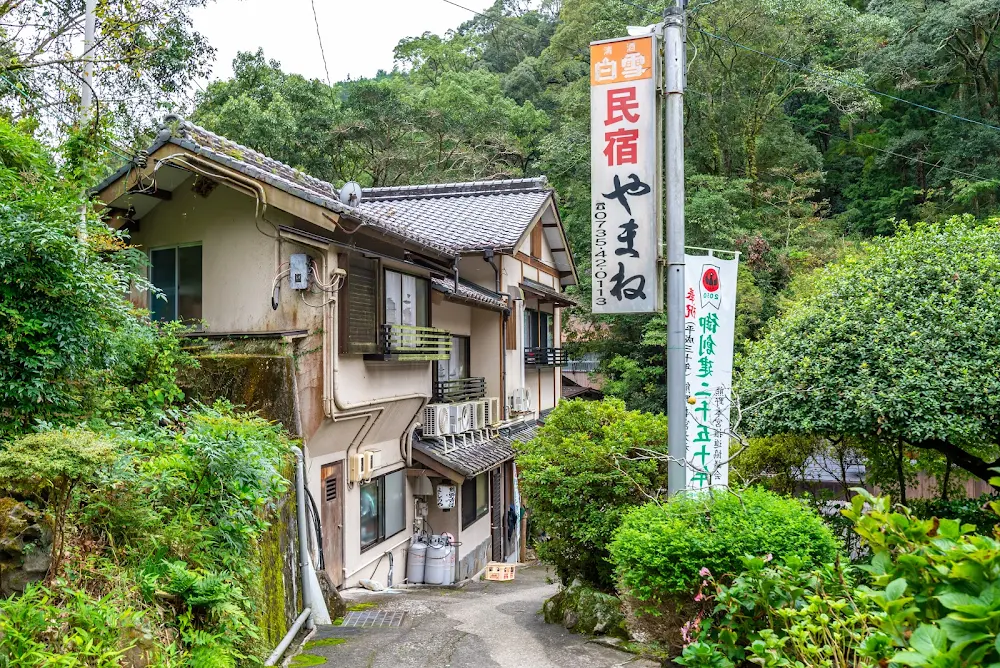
(358, 35)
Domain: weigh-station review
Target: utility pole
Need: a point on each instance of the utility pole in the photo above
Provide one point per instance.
(673, 137)
(87, 90)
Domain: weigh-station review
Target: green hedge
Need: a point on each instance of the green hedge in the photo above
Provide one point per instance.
(660, 550)
(579, 476)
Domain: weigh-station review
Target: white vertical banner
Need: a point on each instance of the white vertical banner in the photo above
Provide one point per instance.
(709, 327)
(624, 140)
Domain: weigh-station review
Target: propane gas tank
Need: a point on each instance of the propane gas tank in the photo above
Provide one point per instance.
(451, 552)
(416, 560)
(435, 572)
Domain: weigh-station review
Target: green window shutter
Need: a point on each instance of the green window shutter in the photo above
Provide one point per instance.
(359, 314)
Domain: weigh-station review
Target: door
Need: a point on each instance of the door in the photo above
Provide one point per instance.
(497, 519)
(332, 520)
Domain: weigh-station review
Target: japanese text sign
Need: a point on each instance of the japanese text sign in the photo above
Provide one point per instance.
(625, 230)
(709, 324)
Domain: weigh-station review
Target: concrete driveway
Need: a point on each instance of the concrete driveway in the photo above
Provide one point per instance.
(483, 625)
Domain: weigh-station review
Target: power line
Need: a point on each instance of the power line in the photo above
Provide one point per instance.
(54, 104)
(824, 75)
(847, 139)
(526, 33)
(320, 38)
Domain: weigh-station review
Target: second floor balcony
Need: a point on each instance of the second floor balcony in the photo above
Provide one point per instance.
(409, 343)
(459, 389)
(545, 357)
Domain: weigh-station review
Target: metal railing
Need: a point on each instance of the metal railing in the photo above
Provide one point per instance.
(410, 343)
(459, 389)
(545, 357)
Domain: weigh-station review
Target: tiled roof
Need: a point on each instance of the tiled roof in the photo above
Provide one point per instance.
(469, 293)
(258, 166)
(547, 293)
(465, 217)
(471, 460)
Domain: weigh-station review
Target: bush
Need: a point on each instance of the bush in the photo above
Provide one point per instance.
(579, 476)
(976, 512)
(170, 530)
(660, 552)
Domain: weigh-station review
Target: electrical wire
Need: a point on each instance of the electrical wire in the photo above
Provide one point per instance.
(824, 75)
(320, 38)
(847, 139)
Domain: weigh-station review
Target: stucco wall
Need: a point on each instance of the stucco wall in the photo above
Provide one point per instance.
(238, 260)
(485, 349)
(449, 316)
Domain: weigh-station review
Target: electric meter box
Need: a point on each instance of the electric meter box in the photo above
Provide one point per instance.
(298, 276)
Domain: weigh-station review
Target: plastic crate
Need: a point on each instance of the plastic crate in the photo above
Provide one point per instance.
(499, 572)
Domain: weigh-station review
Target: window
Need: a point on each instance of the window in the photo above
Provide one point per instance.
(406, 300)
(475, 498)
(383, 508)
(176, 273)
(457, 367)
(539, 329)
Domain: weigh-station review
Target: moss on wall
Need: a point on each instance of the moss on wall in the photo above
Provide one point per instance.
(255, 373)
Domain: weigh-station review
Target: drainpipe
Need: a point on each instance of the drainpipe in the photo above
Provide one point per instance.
(312, 595)
(488, 256)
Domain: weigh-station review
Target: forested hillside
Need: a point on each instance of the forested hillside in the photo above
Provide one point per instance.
(810, 125)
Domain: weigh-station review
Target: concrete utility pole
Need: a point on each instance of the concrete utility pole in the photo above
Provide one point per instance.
(89, 27)
(674, 56)
(87, 89)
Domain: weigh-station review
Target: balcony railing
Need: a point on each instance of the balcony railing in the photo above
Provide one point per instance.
(414, 344)
(459, 389)
(545, 357)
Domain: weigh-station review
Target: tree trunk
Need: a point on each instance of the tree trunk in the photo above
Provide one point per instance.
(978, 467)
(899, 471)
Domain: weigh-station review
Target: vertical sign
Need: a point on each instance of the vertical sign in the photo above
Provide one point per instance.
(709, 324)
(624, 178)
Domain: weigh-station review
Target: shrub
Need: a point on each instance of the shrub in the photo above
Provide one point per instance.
(661, 551)
(976, 512)
(49, 466)
(580, 474)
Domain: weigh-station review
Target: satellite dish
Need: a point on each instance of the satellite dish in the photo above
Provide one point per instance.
(350, 194)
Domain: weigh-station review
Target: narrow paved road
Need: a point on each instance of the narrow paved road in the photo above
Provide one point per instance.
(484, 625)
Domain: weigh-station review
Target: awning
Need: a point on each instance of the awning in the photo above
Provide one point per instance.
(471, 459)
(468, 293)
(545, 294)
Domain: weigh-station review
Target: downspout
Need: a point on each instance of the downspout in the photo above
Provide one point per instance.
(312, 596)
(488, 256)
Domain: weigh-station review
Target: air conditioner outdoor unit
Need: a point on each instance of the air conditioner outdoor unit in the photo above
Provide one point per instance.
(493, 414)
(357, 470)
(520, 400)
(479, 414)
(529, 404)
(462, 417)
(437, 420)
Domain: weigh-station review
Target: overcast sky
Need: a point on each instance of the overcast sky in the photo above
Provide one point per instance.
(358, 35)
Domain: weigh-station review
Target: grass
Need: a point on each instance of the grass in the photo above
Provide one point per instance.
(325, 642)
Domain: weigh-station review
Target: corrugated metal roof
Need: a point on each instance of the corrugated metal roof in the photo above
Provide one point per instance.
(471, 460)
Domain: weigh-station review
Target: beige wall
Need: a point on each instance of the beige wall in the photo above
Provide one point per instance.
(238, 261)
(485, 349)
(449, 316)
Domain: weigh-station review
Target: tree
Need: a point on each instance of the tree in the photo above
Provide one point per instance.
(145, 55)
(900, 345)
